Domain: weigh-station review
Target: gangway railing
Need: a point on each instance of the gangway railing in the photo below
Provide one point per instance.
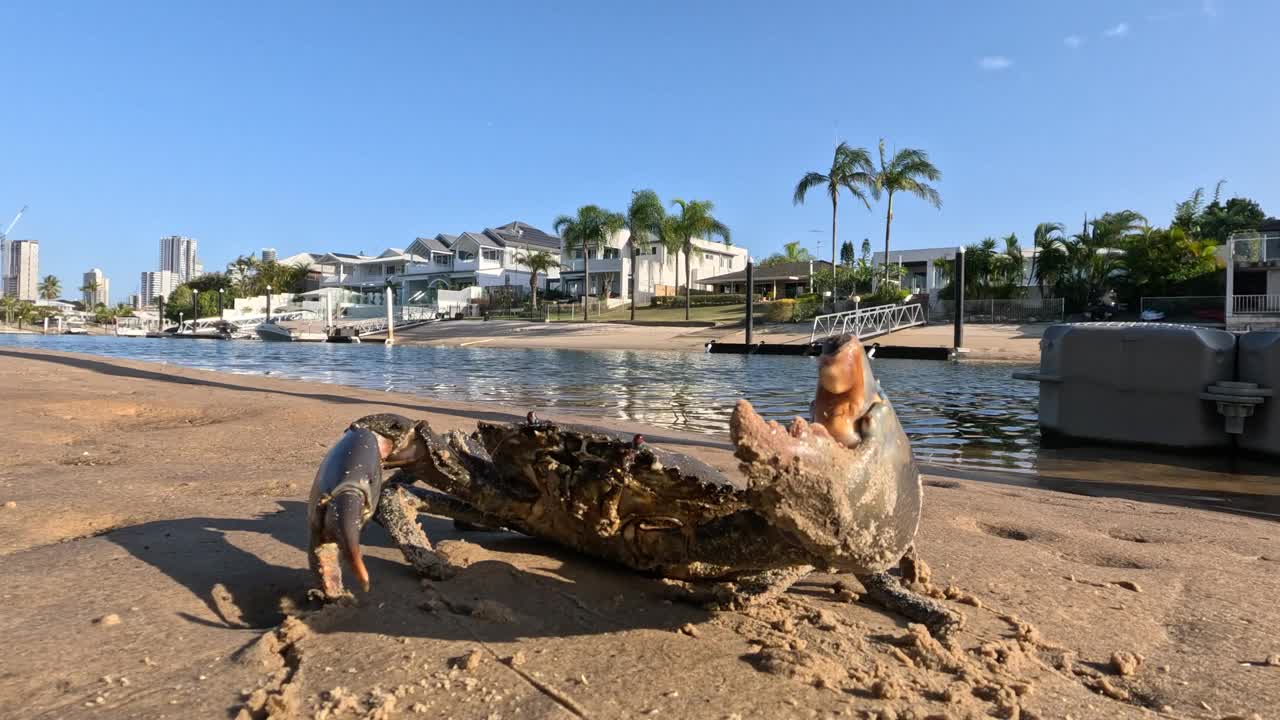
(867, 322)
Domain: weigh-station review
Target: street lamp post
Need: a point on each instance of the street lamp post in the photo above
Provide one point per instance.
(959, 302)
(635, 256)
(268, 303)
(391, 323)
(751, 296)
(195, 309)
(221, 305)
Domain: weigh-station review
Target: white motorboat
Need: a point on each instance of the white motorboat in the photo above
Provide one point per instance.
(130, 327)
(75, 326)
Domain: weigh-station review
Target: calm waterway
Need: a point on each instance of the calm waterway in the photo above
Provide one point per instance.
(966, 419)
(965, 414)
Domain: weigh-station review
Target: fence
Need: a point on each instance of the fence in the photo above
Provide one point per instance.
(1256, 304)
(1187, 308)
(1013, 312)
(570, 310)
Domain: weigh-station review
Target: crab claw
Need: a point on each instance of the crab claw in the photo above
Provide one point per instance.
(345, 495)
(845, 486)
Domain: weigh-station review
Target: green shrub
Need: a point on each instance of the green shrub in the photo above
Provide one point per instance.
(705, 300)
(806, 308)
(780, 310)
(791, 310)
(885, 295)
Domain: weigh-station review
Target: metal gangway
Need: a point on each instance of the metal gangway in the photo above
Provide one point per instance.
(867, 322)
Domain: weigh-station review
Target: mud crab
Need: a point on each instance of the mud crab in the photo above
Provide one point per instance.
(837, 492)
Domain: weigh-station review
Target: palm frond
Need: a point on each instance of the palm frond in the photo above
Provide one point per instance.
(810, 181)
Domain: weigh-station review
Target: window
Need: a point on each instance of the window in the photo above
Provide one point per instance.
(612, 253)
(388, 269)
(440, 259)
(653, 250)
(464, 256)
(490, 254)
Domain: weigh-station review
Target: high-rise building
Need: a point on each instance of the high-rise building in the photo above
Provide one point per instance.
(22, 270)
(157, 284)
(268, 254)
(96, 289)
(178, 256)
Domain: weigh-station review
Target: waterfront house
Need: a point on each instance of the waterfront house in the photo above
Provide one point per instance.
(658, 272)
(784, 280)
(1253, 279)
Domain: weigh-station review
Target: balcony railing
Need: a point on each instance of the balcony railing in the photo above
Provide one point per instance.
(1256, 305)
(1256, 250)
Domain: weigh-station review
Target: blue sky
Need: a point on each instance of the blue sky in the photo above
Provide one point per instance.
(357, 126)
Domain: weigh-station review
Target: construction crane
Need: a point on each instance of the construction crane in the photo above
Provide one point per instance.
(4, 250)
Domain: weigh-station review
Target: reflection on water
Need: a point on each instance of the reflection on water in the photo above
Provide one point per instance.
(964, 414)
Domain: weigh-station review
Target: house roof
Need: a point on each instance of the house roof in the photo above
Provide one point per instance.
(782, 271)
(479, 239)
(516, 233)
(440, 243)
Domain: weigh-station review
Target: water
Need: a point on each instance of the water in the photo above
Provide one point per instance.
(970, 414)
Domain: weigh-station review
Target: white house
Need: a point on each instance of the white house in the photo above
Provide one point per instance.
(365, 274)
(1253, 279)
(923, 274)
(657, 271)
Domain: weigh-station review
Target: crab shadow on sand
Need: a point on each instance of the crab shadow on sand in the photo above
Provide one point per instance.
(247, 570)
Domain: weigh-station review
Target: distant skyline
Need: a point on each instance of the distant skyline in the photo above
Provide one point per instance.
(306, 127)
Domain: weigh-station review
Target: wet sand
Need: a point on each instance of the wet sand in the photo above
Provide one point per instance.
(152, 525)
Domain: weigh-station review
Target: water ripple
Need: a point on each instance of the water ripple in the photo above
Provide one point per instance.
(966, 413)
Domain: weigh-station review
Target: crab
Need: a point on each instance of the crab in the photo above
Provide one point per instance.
(838, 492)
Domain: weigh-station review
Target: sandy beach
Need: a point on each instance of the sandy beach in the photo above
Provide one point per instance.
(152, 526)
(1019, 343)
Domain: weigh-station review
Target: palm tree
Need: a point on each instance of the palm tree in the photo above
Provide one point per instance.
(906, 172)
(24, 311)
(590, 230)
(537, 262)
(671, 240)
(792, 252)
(1094, 254)
(695, 221)
(8, 304)
(90, 290)
(645, 216)
(1012, 262)
(241, 271)
(50, 288)
(1048, 261)
(852, 170)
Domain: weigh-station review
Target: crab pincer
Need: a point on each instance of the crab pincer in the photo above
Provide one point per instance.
(345, 495)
